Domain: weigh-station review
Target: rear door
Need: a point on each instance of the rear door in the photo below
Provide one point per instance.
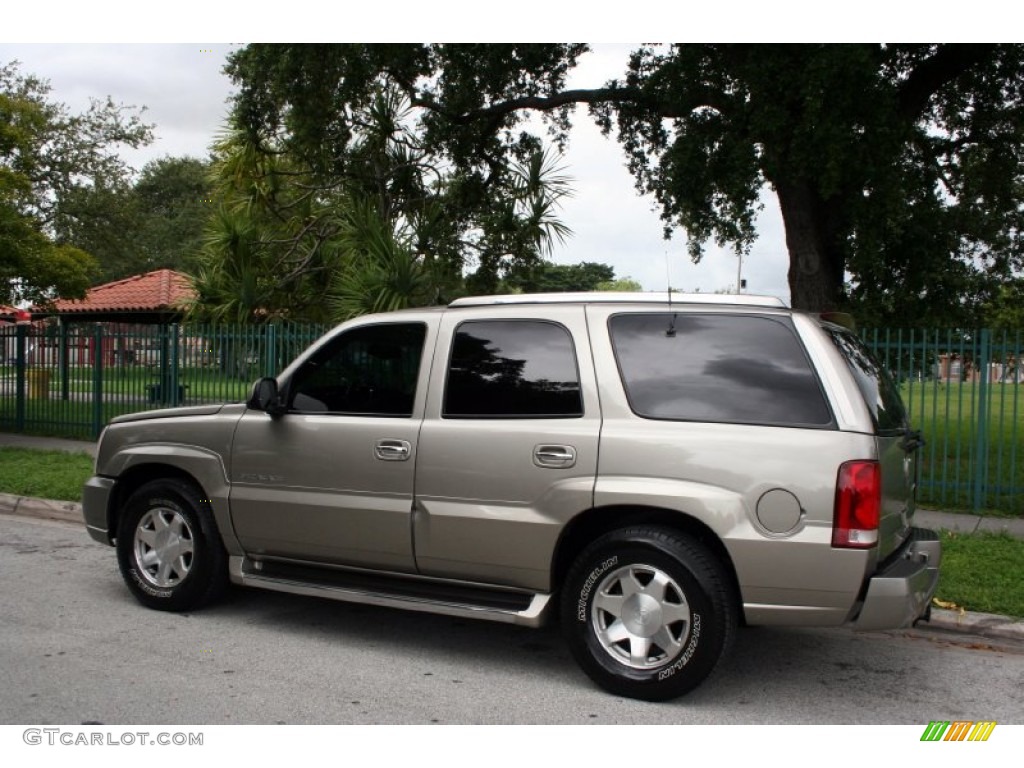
(508, 447)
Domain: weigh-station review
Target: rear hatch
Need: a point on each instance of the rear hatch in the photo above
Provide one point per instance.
(897, 442)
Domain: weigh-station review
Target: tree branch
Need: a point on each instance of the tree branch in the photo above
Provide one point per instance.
(662, 106)
(931, 75)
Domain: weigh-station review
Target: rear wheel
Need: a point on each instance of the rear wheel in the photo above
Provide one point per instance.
(648, 612)
(168, 547)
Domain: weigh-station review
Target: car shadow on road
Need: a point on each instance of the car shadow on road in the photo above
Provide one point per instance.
(781, 674)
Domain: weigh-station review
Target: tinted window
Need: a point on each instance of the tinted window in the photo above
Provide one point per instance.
(879, 391)
(370, 370)
(512, 369)
(720, 368)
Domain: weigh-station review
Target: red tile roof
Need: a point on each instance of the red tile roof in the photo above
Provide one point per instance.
(159, 290)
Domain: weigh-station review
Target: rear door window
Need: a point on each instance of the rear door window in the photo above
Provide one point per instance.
(743, 369)
(512, 369)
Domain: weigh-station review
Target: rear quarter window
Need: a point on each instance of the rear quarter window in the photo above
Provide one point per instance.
(743, 369)
(874, 382)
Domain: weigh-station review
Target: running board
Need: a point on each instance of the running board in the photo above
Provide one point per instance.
(428, 596)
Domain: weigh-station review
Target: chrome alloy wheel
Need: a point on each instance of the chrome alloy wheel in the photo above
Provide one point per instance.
(641, 616)
(164, 547)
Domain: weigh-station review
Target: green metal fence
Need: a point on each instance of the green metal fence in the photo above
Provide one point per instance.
(69, 381)
(964, 390)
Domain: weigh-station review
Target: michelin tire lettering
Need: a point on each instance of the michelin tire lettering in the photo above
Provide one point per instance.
(691, 648)
(581, 606)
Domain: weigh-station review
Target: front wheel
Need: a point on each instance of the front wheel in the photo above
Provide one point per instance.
(648, 612)
(168, 547)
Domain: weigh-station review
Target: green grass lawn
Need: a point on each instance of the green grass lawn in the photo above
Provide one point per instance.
(44, 474)
(983, 572)
(980, 571)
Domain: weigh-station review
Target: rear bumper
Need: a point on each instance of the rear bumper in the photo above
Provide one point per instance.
(901, 593)
(95, 506)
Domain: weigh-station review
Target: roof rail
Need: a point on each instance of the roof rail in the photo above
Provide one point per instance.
(617, 297)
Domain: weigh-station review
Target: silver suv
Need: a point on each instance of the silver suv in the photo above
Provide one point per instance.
(656, 469)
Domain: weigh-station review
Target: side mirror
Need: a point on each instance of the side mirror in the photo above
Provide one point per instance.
(265, 397)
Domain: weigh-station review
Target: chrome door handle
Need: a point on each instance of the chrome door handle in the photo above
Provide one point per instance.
(392, 450)
(557, 456)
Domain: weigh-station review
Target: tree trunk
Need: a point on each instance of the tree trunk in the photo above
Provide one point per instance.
(815, 268)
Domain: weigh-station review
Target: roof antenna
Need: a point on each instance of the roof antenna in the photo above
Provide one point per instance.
(671, 331)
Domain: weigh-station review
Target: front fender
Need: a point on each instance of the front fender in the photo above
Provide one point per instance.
(204, 465)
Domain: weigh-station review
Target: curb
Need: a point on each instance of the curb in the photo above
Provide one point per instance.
(41, 509)
(990, 625)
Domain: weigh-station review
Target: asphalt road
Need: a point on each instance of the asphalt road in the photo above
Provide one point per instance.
(76, 648)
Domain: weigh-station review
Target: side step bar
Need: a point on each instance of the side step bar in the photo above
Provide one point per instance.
(428, 596)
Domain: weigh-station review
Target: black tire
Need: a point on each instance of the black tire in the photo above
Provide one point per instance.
(637, 589)
(168, 547)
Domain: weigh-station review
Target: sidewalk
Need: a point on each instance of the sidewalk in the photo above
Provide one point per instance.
(11, 440)
(984, 624)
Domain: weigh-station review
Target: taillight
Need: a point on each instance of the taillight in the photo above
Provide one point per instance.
(858, 505)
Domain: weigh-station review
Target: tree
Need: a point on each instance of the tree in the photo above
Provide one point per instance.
(627, 284)
(174, 196)
(1005, 312)
(153, 222)
(546, 277)
(50, 161)
(372, 224)
(897, 167)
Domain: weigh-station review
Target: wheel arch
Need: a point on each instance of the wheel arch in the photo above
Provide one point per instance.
(597, 521)
(200, 469)
(134, 478)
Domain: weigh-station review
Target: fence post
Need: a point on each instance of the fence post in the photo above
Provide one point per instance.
(270, 358)
(97, 380)
(20, 332)
(981, 425)
(175, 395)
(64, 362)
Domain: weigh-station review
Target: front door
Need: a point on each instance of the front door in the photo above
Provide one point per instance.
(331, 480)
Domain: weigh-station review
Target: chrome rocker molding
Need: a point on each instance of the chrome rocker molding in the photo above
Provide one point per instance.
(242, 573)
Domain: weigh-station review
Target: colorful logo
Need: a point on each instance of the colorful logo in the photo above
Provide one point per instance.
(958, 730)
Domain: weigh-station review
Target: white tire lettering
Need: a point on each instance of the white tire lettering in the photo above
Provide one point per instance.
(581, 605)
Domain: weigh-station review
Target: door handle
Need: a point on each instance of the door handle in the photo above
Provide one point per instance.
(555, 456)
(392, 450)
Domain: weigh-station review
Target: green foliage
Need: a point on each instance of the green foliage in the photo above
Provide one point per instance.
(897, 167)
(1005, 311)
(627, 284)
(51, 162)
(156, 222)
(554, 278)
(368, 223)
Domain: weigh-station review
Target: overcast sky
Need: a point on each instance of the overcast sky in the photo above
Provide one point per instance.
(185, 94)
